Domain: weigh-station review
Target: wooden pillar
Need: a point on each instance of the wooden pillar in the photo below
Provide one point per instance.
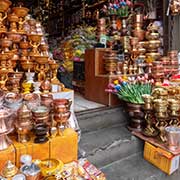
(165, 27)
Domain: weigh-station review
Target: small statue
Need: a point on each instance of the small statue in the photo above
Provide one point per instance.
(161, 126)
(42, 69)
(2, 27)
(174, 122)
(21, 23)
(3, 79)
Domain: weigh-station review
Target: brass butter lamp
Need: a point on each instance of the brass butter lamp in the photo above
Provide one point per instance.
(4, 5)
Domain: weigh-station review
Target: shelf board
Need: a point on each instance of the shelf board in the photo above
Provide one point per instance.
(96, 4)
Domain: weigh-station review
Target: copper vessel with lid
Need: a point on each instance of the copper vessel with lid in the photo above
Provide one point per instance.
(6, 126)
(24, 123)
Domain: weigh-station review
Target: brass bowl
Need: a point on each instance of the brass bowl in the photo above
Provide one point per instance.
(144, 44)
(3, 57)
(4, 5)
(50, 166)
(15, 37)
(153, 55)
(13, 17)
(153, 45)
(152, 35)
(35, 37)
(20, 11)
(27, 65)
(5, 43)
(42, 59)
(141, 50)
(24, 44)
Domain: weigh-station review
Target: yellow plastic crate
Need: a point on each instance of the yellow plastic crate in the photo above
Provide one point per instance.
(160, 158)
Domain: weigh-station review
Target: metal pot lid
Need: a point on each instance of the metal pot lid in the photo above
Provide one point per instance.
(19, 177)
(30, 170)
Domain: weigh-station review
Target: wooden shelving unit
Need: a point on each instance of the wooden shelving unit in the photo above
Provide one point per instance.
(96, 79)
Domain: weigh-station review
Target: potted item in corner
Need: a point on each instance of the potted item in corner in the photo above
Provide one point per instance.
(131, 93)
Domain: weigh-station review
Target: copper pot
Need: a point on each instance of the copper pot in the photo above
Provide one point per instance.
(20, 11)
(61, 105)
(136, 114)
(46, 86)
(13, 17)
(46, 99)
(27, 65)
(62, 117)
(13, 100)
(6, 120)
(40, 111)
(152, 35)
(32, 100)
(154, 45)
(24, 112)
(43, 119)
(4, 5)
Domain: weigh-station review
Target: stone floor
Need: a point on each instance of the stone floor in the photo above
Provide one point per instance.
(136, 168)
(82, 104)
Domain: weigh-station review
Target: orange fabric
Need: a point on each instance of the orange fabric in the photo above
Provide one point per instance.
(8, 154)
(64, 148)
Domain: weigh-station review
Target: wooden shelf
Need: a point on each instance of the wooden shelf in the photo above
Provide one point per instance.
(96, 79)
(96, 4)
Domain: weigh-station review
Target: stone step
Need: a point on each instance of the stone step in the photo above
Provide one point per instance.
(135, 167)
(109, 144)
(100, 118)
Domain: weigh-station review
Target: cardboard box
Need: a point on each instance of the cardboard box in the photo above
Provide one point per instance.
(160, 158)
(64, 148)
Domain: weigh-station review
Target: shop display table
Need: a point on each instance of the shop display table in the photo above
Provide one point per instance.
(64, 147)
(155, 142)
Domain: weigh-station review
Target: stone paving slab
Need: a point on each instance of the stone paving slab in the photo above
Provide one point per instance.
(105, 117)
(136, 168)
(107, 145)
